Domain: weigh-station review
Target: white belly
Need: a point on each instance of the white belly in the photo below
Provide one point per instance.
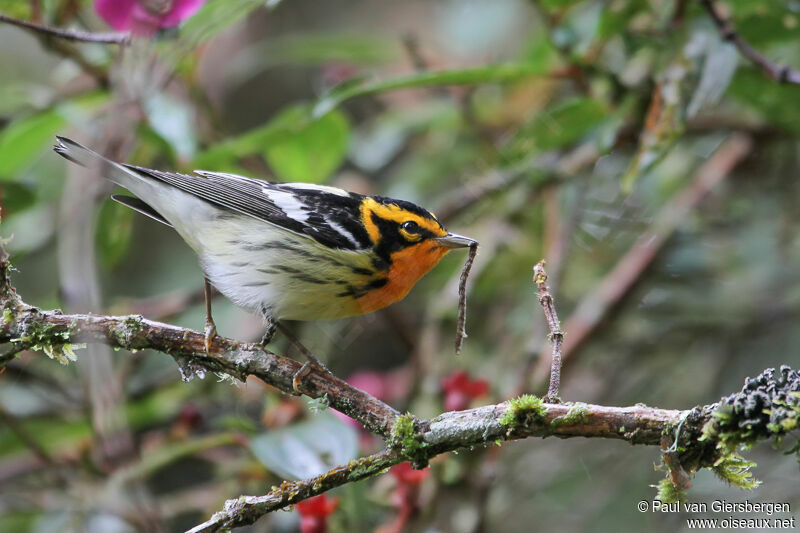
(281, 274)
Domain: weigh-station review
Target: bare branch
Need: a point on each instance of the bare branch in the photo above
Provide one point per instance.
(69, 35)
(779, 73)
(554, 325)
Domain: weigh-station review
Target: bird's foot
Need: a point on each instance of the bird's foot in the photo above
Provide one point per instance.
(299, 377)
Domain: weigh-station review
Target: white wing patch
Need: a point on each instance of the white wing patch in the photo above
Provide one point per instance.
(340, 229)
(313, 187)
(288, 203)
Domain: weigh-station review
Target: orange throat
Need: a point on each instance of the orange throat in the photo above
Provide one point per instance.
(408, 266)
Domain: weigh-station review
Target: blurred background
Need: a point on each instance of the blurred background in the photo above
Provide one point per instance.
(576, 131)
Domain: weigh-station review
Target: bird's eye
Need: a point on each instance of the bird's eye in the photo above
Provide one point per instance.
(410, 226)
(410, 231)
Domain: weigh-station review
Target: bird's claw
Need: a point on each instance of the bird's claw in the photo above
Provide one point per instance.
(299, 377)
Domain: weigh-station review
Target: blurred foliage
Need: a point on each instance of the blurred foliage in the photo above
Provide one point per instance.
(551, 128)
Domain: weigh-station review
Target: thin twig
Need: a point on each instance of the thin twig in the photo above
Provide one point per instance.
(557, 251)
(70, 35)
(779, 73)
(71, 52)
(247, 509)
(461, 329)
(10, 354)
(556, 334)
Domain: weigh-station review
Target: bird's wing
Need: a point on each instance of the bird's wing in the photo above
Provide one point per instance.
(328, 215)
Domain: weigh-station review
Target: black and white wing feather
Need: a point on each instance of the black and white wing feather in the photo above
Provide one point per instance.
(328, 215)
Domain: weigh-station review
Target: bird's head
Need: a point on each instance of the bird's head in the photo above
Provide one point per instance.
(396, 225)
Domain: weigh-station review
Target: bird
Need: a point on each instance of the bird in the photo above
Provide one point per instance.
(285, 251)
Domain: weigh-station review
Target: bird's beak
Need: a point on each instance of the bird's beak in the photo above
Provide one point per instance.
(451, 240)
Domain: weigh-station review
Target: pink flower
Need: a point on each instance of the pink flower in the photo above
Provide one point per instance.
(314, 513)
(386, 386)
(459, 390)
(405, 496)
(145, 17)
(406, 475)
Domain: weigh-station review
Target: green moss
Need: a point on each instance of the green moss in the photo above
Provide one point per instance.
(131, 327)
(134, 323)
(405, 438)
(735, 469)
(668, 492)
(578, 413)
(527, 408)
(51, 339)
(8, 316)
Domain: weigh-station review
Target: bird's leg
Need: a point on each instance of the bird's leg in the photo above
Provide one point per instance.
(312, 364)
(211, 328)
(270, 331)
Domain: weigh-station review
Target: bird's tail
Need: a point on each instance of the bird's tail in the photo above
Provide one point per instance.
(77, 153)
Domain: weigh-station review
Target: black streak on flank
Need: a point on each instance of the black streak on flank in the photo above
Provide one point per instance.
(351, 291)
(362, 271)
(308, 279)
(362, 291)
(375, 284)
(287, 269)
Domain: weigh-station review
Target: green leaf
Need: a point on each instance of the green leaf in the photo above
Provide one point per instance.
(666, 114)
(307, 449)
(216, 15)
(775, 102)
(540, 53)
(24, 139)
(309, 149)
(17, 197)
(719, 67)
(223, 156)
(114, 231)
(500, 73)
(558, 126)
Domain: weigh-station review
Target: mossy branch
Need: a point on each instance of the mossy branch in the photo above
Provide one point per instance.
(704, 437)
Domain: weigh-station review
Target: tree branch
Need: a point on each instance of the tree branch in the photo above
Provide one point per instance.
(53, 330)
(407, 438)
(450, 431)
(69, 35)
(779, 73)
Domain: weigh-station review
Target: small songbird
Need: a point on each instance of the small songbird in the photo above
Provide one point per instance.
(293, 251)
